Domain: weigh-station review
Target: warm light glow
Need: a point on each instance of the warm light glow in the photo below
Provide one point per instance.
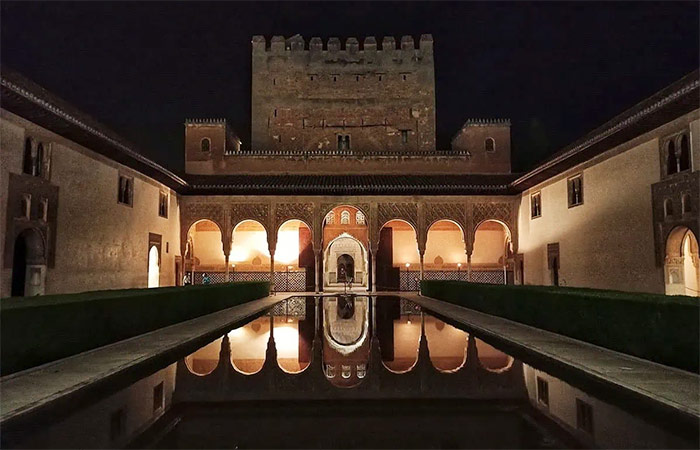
(153, 268)
(287, 249)
(287, 341)
(459, 264)
(408, 265)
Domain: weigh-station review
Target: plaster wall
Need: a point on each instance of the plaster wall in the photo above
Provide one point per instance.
(447, 244)
(100, 243)
(489, 246)
(607, 242)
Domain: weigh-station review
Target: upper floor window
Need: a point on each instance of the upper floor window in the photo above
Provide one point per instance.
(668, 208)
(345, 218)
(343, 142)
(542, 391)
(206, 144)
(575, 190)
(684, 158)
(33, 158)
(490, 145)
(535, 205)
(126, 190)
(359, 218)
(44, 209)
(163, 204)
(671, 160)
(404, 136)
(330, 218)
(584, 416)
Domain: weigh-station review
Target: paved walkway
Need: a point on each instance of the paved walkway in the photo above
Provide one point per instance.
(673, 388)
(27, 391)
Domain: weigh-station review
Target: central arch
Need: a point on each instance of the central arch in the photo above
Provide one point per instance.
(682, 263)
(28, 264)
(345, 252)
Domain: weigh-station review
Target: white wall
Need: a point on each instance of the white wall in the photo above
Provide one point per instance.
(608, 241)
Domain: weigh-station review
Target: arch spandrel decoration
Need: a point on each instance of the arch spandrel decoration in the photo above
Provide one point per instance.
(455, 212)
(328, 207)
(404, 211)
(191, 213)
(260, 212)
(291, 211)
(501, 211)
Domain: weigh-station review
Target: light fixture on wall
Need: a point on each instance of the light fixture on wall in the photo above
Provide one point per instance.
(459, 271)
(233, 272)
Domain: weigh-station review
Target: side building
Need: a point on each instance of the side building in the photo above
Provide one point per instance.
(79, 210)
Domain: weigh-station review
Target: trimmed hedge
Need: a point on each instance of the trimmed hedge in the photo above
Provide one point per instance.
(660, 328)
(37, 330)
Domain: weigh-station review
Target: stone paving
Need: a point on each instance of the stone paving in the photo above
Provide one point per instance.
(32, 389)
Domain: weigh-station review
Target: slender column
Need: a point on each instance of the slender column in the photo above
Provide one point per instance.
(374, 272)
(469, 267)
(227, 268)
(421, 265)
(317, 256)
(272, 271)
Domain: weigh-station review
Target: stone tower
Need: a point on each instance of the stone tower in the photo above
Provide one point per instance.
(331, 99)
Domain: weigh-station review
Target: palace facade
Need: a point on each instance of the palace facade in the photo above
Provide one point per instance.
(343, 183)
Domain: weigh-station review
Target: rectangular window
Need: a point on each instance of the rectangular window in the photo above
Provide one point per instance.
(584, 416)
(158, 398)
(542, 391)
(404, 136)
(535, 205)
(25, 211)
(125, 194)
(44, 209)
(575, 190)
(163, 205)
(117, 424)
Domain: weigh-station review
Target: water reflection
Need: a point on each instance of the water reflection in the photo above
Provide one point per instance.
(346, 328)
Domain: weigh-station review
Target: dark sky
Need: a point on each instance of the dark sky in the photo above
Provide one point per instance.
(557, 70)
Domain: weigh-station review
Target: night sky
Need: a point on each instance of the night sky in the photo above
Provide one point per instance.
(557, 70)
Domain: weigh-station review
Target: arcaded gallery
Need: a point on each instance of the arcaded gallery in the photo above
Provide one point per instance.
(340, 275)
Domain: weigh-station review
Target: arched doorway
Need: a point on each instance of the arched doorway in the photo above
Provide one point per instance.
(346, 267)
(445, 252)
(28, 264)
(682, 264)
(153, 267)
(345, 258)
(398, 260)
(206, 252)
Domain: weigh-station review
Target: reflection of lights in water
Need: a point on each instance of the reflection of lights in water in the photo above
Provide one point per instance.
(238, 332)
(287, 340)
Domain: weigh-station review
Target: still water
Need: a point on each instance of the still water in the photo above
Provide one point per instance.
(354, 372)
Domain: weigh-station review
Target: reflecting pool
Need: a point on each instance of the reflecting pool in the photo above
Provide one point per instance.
(355, 372)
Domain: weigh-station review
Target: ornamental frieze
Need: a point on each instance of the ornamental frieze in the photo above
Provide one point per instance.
(501, 211)
(404, 211)
(445, 211)
(192, 212)
(260, 212)
(291, 211)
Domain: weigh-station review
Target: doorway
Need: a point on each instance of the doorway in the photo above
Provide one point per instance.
(346, 268)
(28, 264)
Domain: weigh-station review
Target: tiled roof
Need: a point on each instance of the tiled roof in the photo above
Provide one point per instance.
(351, 184)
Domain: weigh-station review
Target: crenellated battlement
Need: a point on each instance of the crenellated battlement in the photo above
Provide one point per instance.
(487, 122)
(206, 121)
(296, 43)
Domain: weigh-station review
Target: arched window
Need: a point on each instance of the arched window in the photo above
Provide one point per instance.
(345, 218)
(685, 153)
(27, 163)
(668, 208)
(490, 145)
(330, 218)
(671, 162)
(39, 160)
(687, 206)
(206, 144)
(359, 218)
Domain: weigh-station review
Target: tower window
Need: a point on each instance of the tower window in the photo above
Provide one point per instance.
(345, 218)
(575, 188)
(490, 145)
(330, 218)
(404, 136)
(404, 77)
(163, 205)
(381, 77)
(39, 160)
(343, 142)
(359, 218)
(125, 195)
(535, 205)
(274, 113)
(205, 145)
(335, 78)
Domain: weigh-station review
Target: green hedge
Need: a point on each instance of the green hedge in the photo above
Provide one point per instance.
(36, 330)
(660, 328)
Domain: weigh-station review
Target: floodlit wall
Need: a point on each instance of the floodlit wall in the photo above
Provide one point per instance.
(607, 242)
(100, 243)
(448, 245)
(489, 247)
